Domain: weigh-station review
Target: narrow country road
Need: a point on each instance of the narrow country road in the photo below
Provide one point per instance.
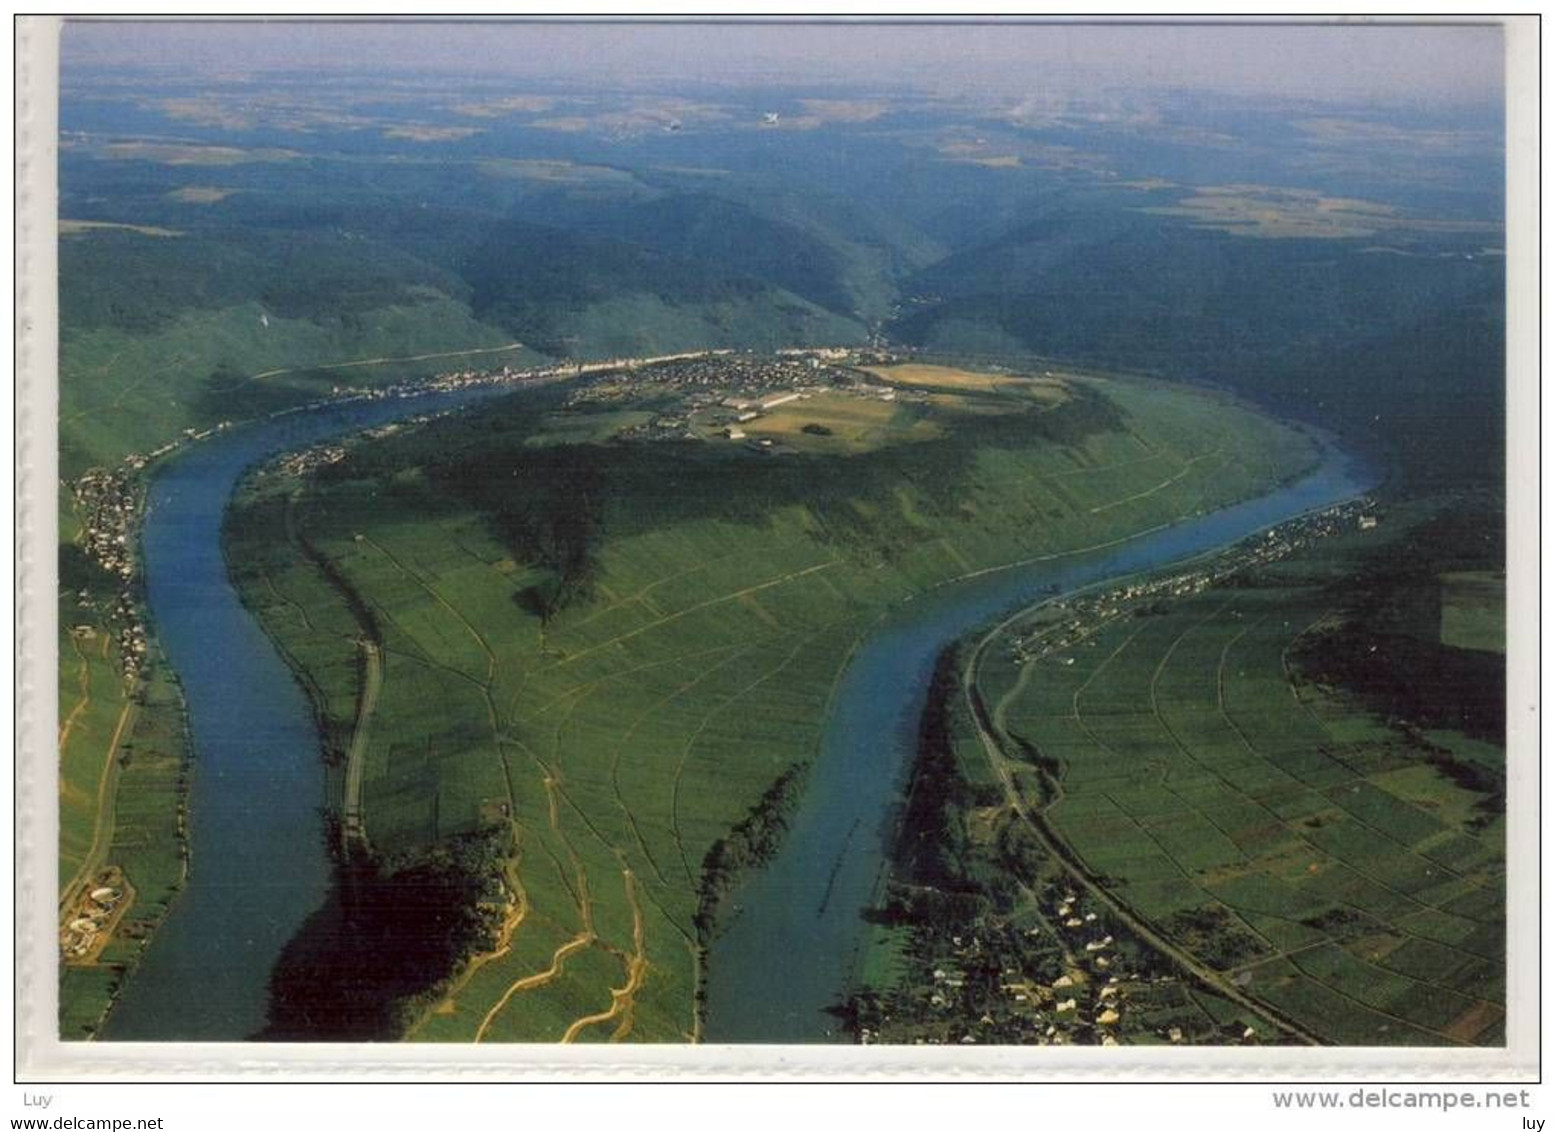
(1033, 818)
(353, 817)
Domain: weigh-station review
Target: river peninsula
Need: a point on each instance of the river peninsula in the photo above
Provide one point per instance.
(553, 704)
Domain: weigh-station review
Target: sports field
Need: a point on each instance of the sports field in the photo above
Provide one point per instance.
(622, 733)
(1348, 874)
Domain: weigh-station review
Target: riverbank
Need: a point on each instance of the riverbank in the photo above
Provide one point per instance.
(108, 584)
(1109, 799)
(189, 599)
(967, 891)
(446, 572)
(112, 504)
(881, 699)
(144, 842)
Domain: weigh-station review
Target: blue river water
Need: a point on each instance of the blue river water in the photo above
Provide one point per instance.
(259, 860)
(259, 863)
(793, 948)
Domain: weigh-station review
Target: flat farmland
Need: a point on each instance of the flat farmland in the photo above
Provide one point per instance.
(1348, 874)
(621, 736)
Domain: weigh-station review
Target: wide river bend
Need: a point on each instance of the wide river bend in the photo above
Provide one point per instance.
(259, 858)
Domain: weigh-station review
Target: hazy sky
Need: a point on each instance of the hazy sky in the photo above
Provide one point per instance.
(1352, 62)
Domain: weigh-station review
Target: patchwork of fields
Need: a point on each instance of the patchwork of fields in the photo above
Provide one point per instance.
(624, 735)
(1348, 874)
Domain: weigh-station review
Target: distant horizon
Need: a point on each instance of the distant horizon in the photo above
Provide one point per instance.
(1441, 65)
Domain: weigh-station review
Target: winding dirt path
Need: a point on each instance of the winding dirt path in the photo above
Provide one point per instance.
(558, 960)
(623, 998)
(1162, 486)
(509, 929)
(84, 684)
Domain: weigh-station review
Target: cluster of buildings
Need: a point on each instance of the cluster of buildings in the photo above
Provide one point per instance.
(1063, 981)
(311, 459)
(451, 381)
(721, 391)
(87, 928)
(108, 503)
(1085, 1002)
(665, 426)
(1083, 616)
(720, 376)
(138, 460)
(473, 379)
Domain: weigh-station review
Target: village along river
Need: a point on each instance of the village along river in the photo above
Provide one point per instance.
(793, 949)
(257, 839)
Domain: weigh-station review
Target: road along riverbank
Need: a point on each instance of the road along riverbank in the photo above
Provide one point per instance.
(790, 950)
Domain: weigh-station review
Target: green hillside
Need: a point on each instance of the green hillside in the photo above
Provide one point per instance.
(846, 256)
(581, 295)
(597, 657)
(1379, 341)
(133, 392)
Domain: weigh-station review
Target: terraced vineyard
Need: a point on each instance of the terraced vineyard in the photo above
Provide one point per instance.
(619, 739)
(1346, 873)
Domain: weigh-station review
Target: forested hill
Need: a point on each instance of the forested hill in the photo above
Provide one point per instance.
(1383, 343)
(1346, 267)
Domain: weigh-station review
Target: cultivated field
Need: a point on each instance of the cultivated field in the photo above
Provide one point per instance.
(1474, 610)
(1347, 874)
(629, 730)
(850, 424)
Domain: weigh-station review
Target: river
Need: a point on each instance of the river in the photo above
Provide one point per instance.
(259, 859)
(793, 947)
(259, 862)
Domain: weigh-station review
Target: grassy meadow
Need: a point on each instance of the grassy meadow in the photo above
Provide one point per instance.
(712, 597)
